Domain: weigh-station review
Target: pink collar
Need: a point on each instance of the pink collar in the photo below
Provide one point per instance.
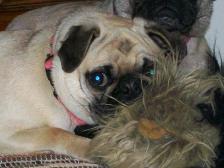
(186, 39)
(48, 67)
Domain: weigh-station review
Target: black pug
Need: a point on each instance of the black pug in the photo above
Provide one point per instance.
(173, 15)
(189, 17)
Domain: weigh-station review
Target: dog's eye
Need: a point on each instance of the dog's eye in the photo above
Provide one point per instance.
(148, 68)
(99, 79)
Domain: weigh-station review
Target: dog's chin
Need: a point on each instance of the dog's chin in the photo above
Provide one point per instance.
(100, 111)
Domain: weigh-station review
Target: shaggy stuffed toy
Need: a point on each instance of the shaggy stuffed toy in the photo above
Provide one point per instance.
(172, 126)
(177, 123)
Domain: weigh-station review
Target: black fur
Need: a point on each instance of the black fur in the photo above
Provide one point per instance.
(173, 15)
(88, 131)
(216, 118)
(75, 47)
(215, 115)
(167, 40)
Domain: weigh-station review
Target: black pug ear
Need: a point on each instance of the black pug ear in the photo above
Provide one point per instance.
(160, 39)
(169, 42)
(75, 47)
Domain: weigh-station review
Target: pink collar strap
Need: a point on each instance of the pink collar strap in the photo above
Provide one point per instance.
(48, 67)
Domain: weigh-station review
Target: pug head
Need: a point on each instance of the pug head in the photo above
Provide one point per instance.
(190, 17)
(99, 60)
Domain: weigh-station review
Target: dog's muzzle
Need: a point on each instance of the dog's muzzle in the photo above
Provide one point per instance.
(128, 88)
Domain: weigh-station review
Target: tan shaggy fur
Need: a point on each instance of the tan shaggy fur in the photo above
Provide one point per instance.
(168, 106)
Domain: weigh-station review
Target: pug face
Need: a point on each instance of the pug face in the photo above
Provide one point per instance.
(99, 59)
(172, 15)
(190, 17)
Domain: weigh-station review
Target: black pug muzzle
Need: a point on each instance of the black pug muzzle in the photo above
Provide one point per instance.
(128, 89)
(173, 15)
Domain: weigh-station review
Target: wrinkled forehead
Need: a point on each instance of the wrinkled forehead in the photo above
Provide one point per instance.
(124, 52)
(105, 22)
(107, 40)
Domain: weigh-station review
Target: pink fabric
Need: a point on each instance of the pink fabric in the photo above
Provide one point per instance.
(48, 64)
(186, 39)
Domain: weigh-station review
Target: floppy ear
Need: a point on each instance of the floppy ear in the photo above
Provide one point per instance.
(75, 47)
(167, 41)
(160, 39)
(122, 8)
(159, 36)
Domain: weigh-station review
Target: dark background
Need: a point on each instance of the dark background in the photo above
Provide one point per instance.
(11, 8)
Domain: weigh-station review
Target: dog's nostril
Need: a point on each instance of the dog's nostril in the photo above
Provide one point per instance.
(137, 88)
(167, 17)
(132, 89)
(126, 89)
(167, 21)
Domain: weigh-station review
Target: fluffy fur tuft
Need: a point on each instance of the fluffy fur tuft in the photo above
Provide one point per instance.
(164, 128)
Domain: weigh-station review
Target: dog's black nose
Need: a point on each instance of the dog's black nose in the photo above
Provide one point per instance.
(128, 88)
(168, 20)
